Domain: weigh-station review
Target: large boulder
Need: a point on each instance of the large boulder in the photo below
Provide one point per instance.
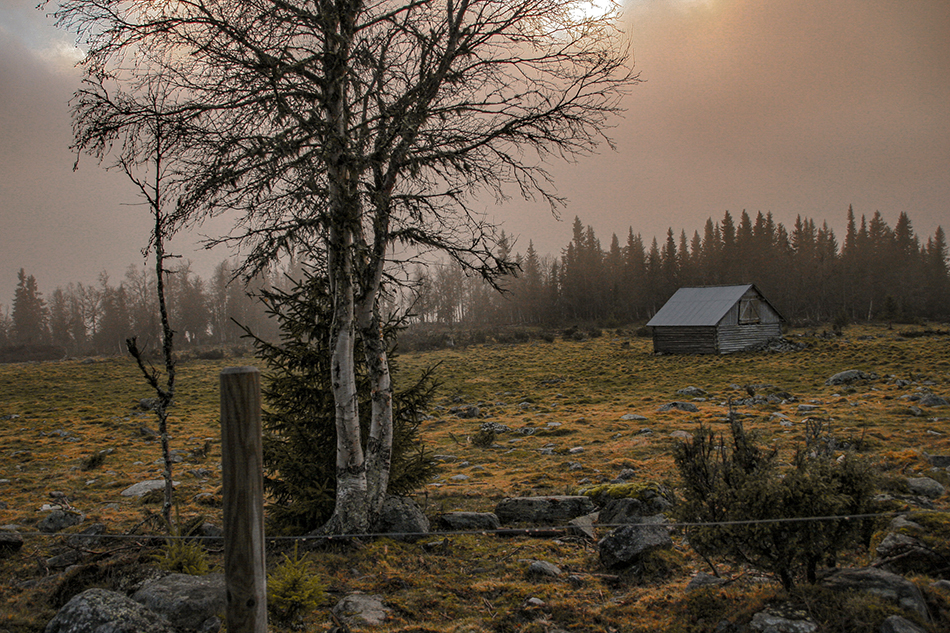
(402, 519)
(551, 510)
(629, 544)
(880, 583)
(469, 521)
(102, 611)
(189, 603)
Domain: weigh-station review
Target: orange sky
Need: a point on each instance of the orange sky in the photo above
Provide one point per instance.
(790, 106)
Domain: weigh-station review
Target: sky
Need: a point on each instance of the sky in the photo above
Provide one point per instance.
(795, 107)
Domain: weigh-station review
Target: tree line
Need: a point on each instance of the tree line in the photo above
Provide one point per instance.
(83, 319)
(876, 273)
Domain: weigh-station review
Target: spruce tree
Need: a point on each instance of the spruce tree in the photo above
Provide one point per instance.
(299, 417)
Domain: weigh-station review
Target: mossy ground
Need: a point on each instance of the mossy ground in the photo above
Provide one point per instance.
(570, 394)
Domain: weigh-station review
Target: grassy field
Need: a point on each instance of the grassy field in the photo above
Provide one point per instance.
(55, 417)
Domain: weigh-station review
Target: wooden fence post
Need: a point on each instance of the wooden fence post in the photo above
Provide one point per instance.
(243, 483)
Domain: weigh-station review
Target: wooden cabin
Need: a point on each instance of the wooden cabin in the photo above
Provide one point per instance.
(714, 320)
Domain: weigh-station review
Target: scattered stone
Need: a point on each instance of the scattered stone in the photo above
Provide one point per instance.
(926, 487)
(703, 580)
(575, 450)
(632, 416)
(767, 622)
(468, 412)
(359, 609)
(459, 477)
(917, 412)
(402, 519)
(626, 546)
(806, 408)
(681, 435)
(938, 461)
(901, 553)
(10, 544)
(880, 583)
(687, 407)
(494, 427)
(544, 510)
(469, 521)
(544, 569)
(144, 487)
(897, 624)
(102, 611)
(849, 376)
(189, 603)
(58, 520)
(446, 459)
(90, 538)
(931, 400)
(692, 392)
(627, 474)
(64, 560)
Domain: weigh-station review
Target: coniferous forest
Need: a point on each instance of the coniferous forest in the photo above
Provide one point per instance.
(875, 272)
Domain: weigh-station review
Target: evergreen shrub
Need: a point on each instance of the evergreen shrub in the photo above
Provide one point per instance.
(739, 483)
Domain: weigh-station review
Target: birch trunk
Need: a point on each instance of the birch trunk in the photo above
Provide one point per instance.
(380, 441)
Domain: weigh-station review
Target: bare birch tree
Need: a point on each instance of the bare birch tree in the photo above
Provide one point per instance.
(348, 127)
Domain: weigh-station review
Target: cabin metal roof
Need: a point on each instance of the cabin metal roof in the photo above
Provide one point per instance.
(698, 306)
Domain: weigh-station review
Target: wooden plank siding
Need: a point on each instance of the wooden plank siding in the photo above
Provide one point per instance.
(735, 338)
(685, 340)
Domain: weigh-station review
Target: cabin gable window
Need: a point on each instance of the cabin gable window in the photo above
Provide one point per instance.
(749, 311)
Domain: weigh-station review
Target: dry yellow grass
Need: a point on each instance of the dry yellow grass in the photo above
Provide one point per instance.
(54, 416)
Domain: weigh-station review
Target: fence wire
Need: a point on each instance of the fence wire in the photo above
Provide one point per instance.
(539, 531)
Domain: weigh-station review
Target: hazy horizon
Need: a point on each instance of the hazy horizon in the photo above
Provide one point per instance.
(798, 108)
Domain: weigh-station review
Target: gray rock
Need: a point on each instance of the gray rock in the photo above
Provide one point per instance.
(59, 520)
(494, 427)
(91, 537)
(627, 545)
(360, 609)
(10, 544)
(691, 392)
(900, 553)
(102, 611)
(926, 487)
(544, 510)
(938, 461)
(543, 568)
(188, 602)
(144, 487)
(469, 521)
(931, 400)
(687, 407)
(770, 623)
(897, 624)
(624, 511)
(880, 583)
(402, 519)
(849, 376)
(806, 408)
(703, 580)
(632, 416)
(64, 560)
(627, 474)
